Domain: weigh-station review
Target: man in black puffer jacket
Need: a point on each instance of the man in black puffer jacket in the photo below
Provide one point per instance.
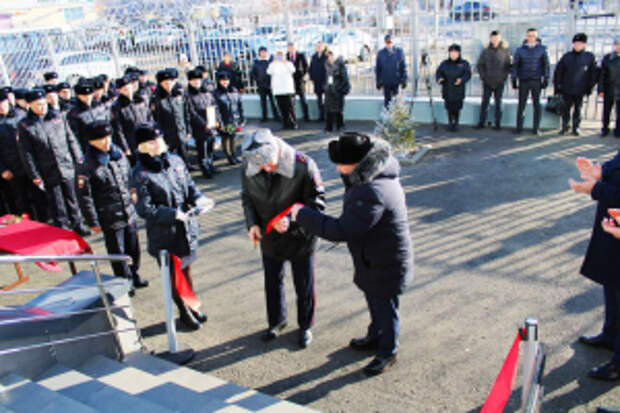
(275, 177)
(259, 76)
(375, 226)
(609, 88)
(106, 177)
(82, 113)
(494, 67)
(169, 113)
(530, 73)
(575, 76)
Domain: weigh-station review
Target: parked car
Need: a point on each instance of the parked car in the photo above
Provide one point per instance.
(472, 10)
(210, 50)
(72, 65)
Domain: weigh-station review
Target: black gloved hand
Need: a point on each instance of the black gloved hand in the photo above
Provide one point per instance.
(403, 85)
(514, 84)
(544, 83)
(379, 86)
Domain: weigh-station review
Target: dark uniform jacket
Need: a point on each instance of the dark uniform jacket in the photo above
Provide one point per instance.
(126, 115)
(450, 70)
(494, 65)
(106, 179)
(20, 112)
(65, 105)
(391, 69)
(259, 74)
(161, 186)
(339, 86)
(301, 68)
(49, 148)
(196, 103)
(80, 116)
(531, 63)
(169, 113)
(609, 80)
(10, 157)
(373, 223)
(236, 76)
(602, 260)
(317, 71)
(575, 74)
(265, 195)
(229, 105)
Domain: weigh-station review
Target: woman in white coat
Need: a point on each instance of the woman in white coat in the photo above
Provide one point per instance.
(283, 88)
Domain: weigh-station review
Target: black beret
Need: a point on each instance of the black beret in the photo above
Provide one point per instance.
(580, 37)
(222, 75)
(3, 95)
(165, 75)
(85, 87)
(123, 81)
(194, 74)
(99, 129)
(50, 75)
(63, 85)
(49, 88)
(146, 132)
(20, 93)
(35, 94)
(350, 148)
(455, 47)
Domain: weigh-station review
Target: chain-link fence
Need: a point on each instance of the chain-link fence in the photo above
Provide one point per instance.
(154, 34)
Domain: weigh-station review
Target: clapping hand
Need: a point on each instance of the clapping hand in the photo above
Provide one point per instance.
(584, 187)
(610, 226)
(589, 169)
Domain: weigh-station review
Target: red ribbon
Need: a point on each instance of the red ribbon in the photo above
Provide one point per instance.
(280, 216)
(496, 401)
(184, 290)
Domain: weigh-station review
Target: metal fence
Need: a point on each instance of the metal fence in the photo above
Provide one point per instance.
(153, 34)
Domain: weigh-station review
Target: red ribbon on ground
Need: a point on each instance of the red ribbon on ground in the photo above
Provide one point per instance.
(496, 401)
(182, 285)
(280, 216)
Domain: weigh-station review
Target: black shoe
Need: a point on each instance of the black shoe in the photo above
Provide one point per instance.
(379, 364)
(576, 132)
(604, 133)
(277, 119)
(305, 338)
(480, 125)
(206, 172)
(200, 316)
(518, 131)
(264, 120)
(187, 318)
(236, 160)
(139, 282)
(82, 230)
(272, 332)
(230, 160)
(599, 341)
(536, 132)
(497, 127)
(321, 119)
(364, 343)
(608, 371)
(563, 130)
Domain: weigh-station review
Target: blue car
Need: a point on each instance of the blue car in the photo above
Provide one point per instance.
(472, 10)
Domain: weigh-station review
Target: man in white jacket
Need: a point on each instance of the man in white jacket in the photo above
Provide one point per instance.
(283, 88)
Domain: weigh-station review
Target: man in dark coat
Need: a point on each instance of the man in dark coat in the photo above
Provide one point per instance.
(494, 67)
(233, 69)
(106, 177)
(275, 177)
(375, 227)
(127, 112)
(391, 70)
(259, 76)
(609, 88)
(52, 154)
(336, 87)
(63, 89)
(83, 111)
(575, 76)
(199, 104)
(169, 113)
(318, 76)
(530, 74)
(601, 263)
(301, 70)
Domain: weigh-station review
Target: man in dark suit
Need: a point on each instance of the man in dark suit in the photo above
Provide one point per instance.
(301, 69)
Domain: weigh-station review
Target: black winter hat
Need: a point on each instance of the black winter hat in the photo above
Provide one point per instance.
(7, 89)
(146, 132)
(580, 37)
(20, 93)
(103, 77)
(49, 88)
(194, 74)
(63, 85)
(123, 81)
(131, 69)
(454, 46)
(35, 94)
(133, 76)
(350, 148)
(50, 75)
(222, 75)
(85, 87)
(99, 129)
(166, 74)
(202, 68)
(3, 95)
(98, 83)
(142, 72)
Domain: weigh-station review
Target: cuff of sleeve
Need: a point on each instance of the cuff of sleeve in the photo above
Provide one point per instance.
(596, 191)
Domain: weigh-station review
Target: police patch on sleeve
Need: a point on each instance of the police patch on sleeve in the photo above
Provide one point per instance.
(134, 195)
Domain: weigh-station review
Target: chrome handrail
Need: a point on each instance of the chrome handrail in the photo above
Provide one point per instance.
(13, 259)
(51, 316)
(69, 287)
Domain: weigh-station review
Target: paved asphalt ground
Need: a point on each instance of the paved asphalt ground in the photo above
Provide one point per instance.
(498, 236)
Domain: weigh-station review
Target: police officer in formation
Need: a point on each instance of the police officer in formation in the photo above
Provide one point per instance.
(21, 106)
(64, 96)
(83, 113)
(106, 178)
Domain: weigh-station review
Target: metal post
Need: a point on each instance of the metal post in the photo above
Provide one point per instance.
(165, 282)
(380, 23)
(287, 18)
(529, 357)
(4, 73)
(414, 47)
(106, 304)
(191, 39)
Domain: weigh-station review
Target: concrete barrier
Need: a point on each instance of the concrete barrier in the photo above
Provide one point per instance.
(369, 108)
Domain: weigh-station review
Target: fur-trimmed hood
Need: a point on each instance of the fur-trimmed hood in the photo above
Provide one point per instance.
(378, 162)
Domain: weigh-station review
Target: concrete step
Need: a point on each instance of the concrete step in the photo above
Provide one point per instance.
(24, 396)
(95, 393)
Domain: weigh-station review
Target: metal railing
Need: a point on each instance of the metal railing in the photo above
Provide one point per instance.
(533, 369)
(101, 288)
